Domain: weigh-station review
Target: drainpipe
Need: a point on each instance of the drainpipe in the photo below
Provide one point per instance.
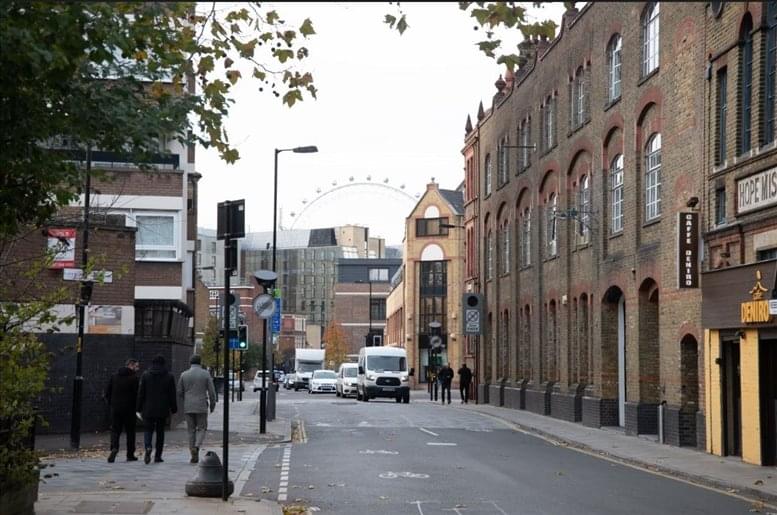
(661, 408)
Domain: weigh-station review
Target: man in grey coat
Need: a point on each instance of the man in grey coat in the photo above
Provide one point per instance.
(197, 395)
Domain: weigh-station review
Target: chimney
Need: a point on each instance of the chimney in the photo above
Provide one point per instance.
(569, 16)
(509, 79)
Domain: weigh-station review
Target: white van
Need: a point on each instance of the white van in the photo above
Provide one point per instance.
(346, 379)
(383, 373)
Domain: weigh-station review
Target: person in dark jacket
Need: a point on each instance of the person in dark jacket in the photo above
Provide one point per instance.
(445, 376)
(120, 394)
(156, 401)
(465, 379)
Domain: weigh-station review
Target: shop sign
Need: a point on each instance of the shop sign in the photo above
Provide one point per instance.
(756, 311)
(757, 191)
(688, 250)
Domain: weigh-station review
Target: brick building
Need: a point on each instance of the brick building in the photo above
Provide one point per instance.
(360, 299)
(740, 232)
(429, 286)
(576, 178)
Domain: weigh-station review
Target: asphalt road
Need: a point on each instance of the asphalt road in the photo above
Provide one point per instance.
(426, 459)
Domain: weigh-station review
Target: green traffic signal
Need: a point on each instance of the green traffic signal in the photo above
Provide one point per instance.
(242, 337)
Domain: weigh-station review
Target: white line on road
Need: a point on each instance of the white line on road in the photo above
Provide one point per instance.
(449, 444)
(495, 505)
(428, 432)
(284, 480)
(249, 464)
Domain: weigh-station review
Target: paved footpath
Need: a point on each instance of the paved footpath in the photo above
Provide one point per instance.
(695, 466)
(85, 482)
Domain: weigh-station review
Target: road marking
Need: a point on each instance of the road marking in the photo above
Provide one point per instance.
(284, 479)
(408, 475)
(369, 451)
(495, 505)
(248, 466)
(419, 503)
(428, 432)
(449, 444)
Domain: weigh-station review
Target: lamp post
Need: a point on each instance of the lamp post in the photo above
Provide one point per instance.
(83, 301)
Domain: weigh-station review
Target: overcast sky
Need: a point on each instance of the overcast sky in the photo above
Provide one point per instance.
(389, 106)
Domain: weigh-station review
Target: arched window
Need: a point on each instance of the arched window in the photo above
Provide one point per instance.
(505, 262)
(770, 74)
(525, 143)
(503, 164)
(614, 67)
(653, 177)
(650, 38)
(584, 209)
(488, 174)
(578, 95)
(489, 256)
(550, 217)
(746, 84)
(526, 238)
(616, 194)
(549, 123)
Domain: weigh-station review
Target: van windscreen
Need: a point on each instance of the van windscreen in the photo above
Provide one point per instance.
(386, 363)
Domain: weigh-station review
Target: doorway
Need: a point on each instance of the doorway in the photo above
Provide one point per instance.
(732, 403)
(768, 388)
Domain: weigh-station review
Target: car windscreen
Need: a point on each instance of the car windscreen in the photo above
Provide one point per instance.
(308, 366)
(386, 363)
(324, 374)
(350, 372)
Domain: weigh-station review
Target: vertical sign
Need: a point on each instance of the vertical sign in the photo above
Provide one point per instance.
(688, 250)
(276, 316)
(62, 243)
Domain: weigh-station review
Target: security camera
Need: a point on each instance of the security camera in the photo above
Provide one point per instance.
(692, 202)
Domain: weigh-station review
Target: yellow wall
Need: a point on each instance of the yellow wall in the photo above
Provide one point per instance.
(751, 405)
(713, 394)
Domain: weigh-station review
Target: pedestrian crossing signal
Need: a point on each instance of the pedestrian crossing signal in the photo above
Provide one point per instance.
(242, 337)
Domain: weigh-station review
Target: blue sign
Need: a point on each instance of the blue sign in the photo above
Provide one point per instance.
(276, 316)
(234, 343)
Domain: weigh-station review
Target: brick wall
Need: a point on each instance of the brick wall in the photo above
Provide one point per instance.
(152, 273)
(167, 183)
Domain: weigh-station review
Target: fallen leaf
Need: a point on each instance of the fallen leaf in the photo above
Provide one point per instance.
(759, 482)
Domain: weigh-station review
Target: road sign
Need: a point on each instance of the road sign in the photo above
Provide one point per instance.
(773, 307)
(264, 305)
(435, 342)
(276, 316)
(472, 306)
(76, 274)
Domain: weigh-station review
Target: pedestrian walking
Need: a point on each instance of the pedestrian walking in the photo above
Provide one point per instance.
(465, 379)
(446, 376)
(197, 395)
(156, 401)
(120, 394)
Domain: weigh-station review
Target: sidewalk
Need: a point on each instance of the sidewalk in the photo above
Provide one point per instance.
(84, 482)
(685, 463)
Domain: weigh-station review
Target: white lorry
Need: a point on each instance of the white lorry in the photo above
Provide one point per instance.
(306, 361)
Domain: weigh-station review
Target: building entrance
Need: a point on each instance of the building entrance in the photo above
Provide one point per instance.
(732, 403)
(768, 388)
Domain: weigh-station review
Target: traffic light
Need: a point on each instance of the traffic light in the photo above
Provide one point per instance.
(242, 337)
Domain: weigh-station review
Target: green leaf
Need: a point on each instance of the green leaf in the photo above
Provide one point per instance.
(390, 20)
(259, 74)
(272, 17)
(284, 55)
(292, 96)
(233, 76)
(205, 65)
(402, 25)
(306, 29)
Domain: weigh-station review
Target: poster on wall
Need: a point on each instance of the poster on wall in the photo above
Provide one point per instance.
(62, 243)
(105, 319)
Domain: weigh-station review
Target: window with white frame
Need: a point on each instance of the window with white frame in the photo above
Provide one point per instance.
(488, 174)
(616, 194)
(578, 99)
(379, 274)
(614, 67)
(653, 177)
(526, 238)
(650, 38)
(550, 217)
(155, 239)
(584, 209)
(525, 143)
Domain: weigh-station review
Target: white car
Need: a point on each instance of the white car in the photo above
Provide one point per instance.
(346, 379)
(268, 381)
(323, 381)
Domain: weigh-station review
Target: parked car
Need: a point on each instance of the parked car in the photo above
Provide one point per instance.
(268, 380)
(323, 381)
(346, 379)
(280, 376)
(288, 381)
(235, 383)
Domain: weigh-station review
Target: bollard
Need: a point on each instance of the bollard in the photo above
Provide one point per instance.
(208, 482)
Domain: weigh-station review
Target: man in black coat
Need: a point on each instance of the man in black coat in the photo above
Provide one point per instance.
(445, 376)
(156, 401)
(120, 394)
(465, 379)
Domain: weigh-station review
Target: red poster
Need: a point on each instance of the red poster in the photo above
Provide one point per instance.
(62, 243)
